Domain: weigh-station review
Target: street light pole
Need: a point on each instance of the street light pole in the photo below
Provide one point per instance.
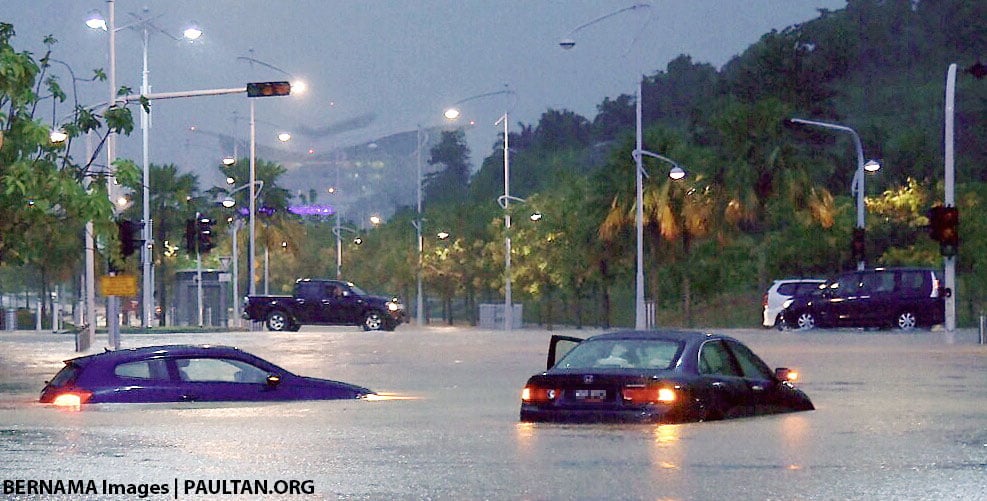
(508, 302)
(640, 318)
(453, 113)
(253, 194)
(420, 298)
(146, 24)
(858, 177)
(567, 43)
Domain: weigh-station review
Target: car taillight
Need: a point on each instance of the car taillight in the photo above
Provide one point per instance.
(786, 374)
(650, 394)
(534, 394)
(764, 299)
(71, 399)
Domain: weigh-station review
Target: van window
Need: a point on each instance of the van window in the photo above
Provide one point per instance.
(847, 285)
(913, 282)
(881, 281)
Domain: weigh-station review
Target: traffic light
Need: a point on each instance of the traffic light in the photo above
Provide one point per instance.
(267, 89)
(944, 227)
(204, 230)
(129, 234)
(858, 246)
(190, 236)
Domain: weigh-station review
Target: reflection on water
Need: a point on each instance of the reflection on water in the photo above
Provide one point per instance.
(450, 430)
(383, 397)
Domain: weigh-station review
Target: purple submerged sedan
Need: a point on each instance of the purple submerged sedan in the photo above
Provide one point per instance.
(185, 373)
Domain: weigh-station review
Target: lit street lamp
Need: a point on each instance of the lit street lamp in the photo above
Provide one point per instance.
(567, 43)
(857, 185)
(146, 25)
(453, 113)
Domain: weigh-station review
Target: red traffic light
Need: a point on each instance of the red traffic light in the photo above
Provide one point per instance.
(944, 225)
(268, 89)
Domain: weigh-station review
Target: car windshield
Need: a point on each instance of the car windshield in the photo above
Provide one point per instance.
(657, 354)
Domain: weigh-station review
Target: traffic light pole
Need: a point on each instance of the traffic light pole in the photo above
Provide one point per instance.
(949, 262)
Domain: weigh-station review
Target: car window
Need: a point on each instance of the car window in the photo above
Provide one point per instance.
(806, 288)
(715, 359)
(751, 365)
(66, 376)
(310, 290)
(142, 369)
(787, 289)
(622, 353)
(913, 281)
(219, 370)
(847, 285)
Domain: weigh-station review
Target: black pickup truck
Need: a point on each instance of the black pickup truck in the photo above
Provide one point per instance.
(325, 302)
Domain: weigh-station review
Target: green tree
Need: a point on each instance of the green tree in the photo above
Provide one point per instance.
(46, 196)
(448, 185)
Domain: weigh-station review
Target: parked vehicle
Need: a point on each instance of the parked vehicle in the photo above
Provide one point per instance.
(325, 302)
(884, 297)
(658, 376)
(782, 290)
(184, 373)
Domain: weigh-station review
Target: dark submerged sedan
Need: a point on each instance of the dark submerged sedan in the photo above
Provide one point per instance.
(185, 373)
(659, 376)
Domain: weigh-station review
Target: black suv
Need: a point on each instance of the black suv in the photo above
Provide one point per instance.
(884, 297)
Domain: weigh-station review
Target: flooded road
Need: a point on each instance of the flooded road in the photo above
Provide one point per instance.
(899, 416)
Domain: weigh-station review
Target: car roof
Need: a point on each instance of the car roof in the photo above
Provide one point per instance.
(662, 334)
(171, 350)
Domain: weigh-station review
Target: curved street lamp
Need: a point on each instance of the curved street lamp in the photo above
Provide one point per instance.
(146, 25)
(640, 315)
(857, 185)
(452, 113)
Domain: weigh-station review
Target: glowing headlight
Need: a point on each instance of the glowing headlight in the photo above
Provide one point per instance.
(392, 306)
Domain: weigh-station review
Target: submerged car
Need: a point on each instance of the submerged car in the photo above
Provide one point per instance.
(185, 373)
(657, 376)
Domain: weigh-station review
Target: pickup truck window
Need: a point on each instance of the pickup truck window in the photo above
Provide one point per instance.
(310, 290)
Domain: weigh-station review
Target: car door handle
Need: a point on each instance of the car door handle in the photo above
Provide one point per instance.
(757, 387)
(719, 384)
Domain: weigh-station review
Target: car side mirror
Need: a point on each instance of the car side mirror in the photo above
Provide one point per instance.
(273, 380)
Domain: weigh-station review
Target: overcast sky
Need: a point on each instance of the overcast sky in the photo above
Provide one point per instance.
(400, 62)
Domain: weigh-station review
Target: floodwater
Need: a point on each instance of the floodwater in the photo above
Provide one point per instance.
(899, 416)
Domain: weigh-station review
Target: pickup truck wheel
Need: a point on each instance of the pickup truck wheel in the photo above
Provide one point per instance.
(277, 320)
(373, 321)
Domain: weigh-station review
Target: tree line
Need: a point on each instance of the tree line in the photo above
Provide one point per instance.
(761, 199)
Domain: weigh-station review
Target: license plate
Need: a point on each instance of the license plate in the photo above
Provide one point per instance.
(590, 395)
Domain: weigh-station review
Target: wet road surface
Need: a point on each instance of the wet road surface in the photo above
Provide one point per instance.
(899, 416)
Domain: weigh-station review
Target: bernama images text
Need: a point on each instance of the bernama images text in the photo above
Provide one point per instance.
(175, 488)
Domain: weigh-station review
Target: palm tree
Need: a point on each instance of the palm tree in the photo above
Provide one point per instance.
(674, 211)
(172, 197)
